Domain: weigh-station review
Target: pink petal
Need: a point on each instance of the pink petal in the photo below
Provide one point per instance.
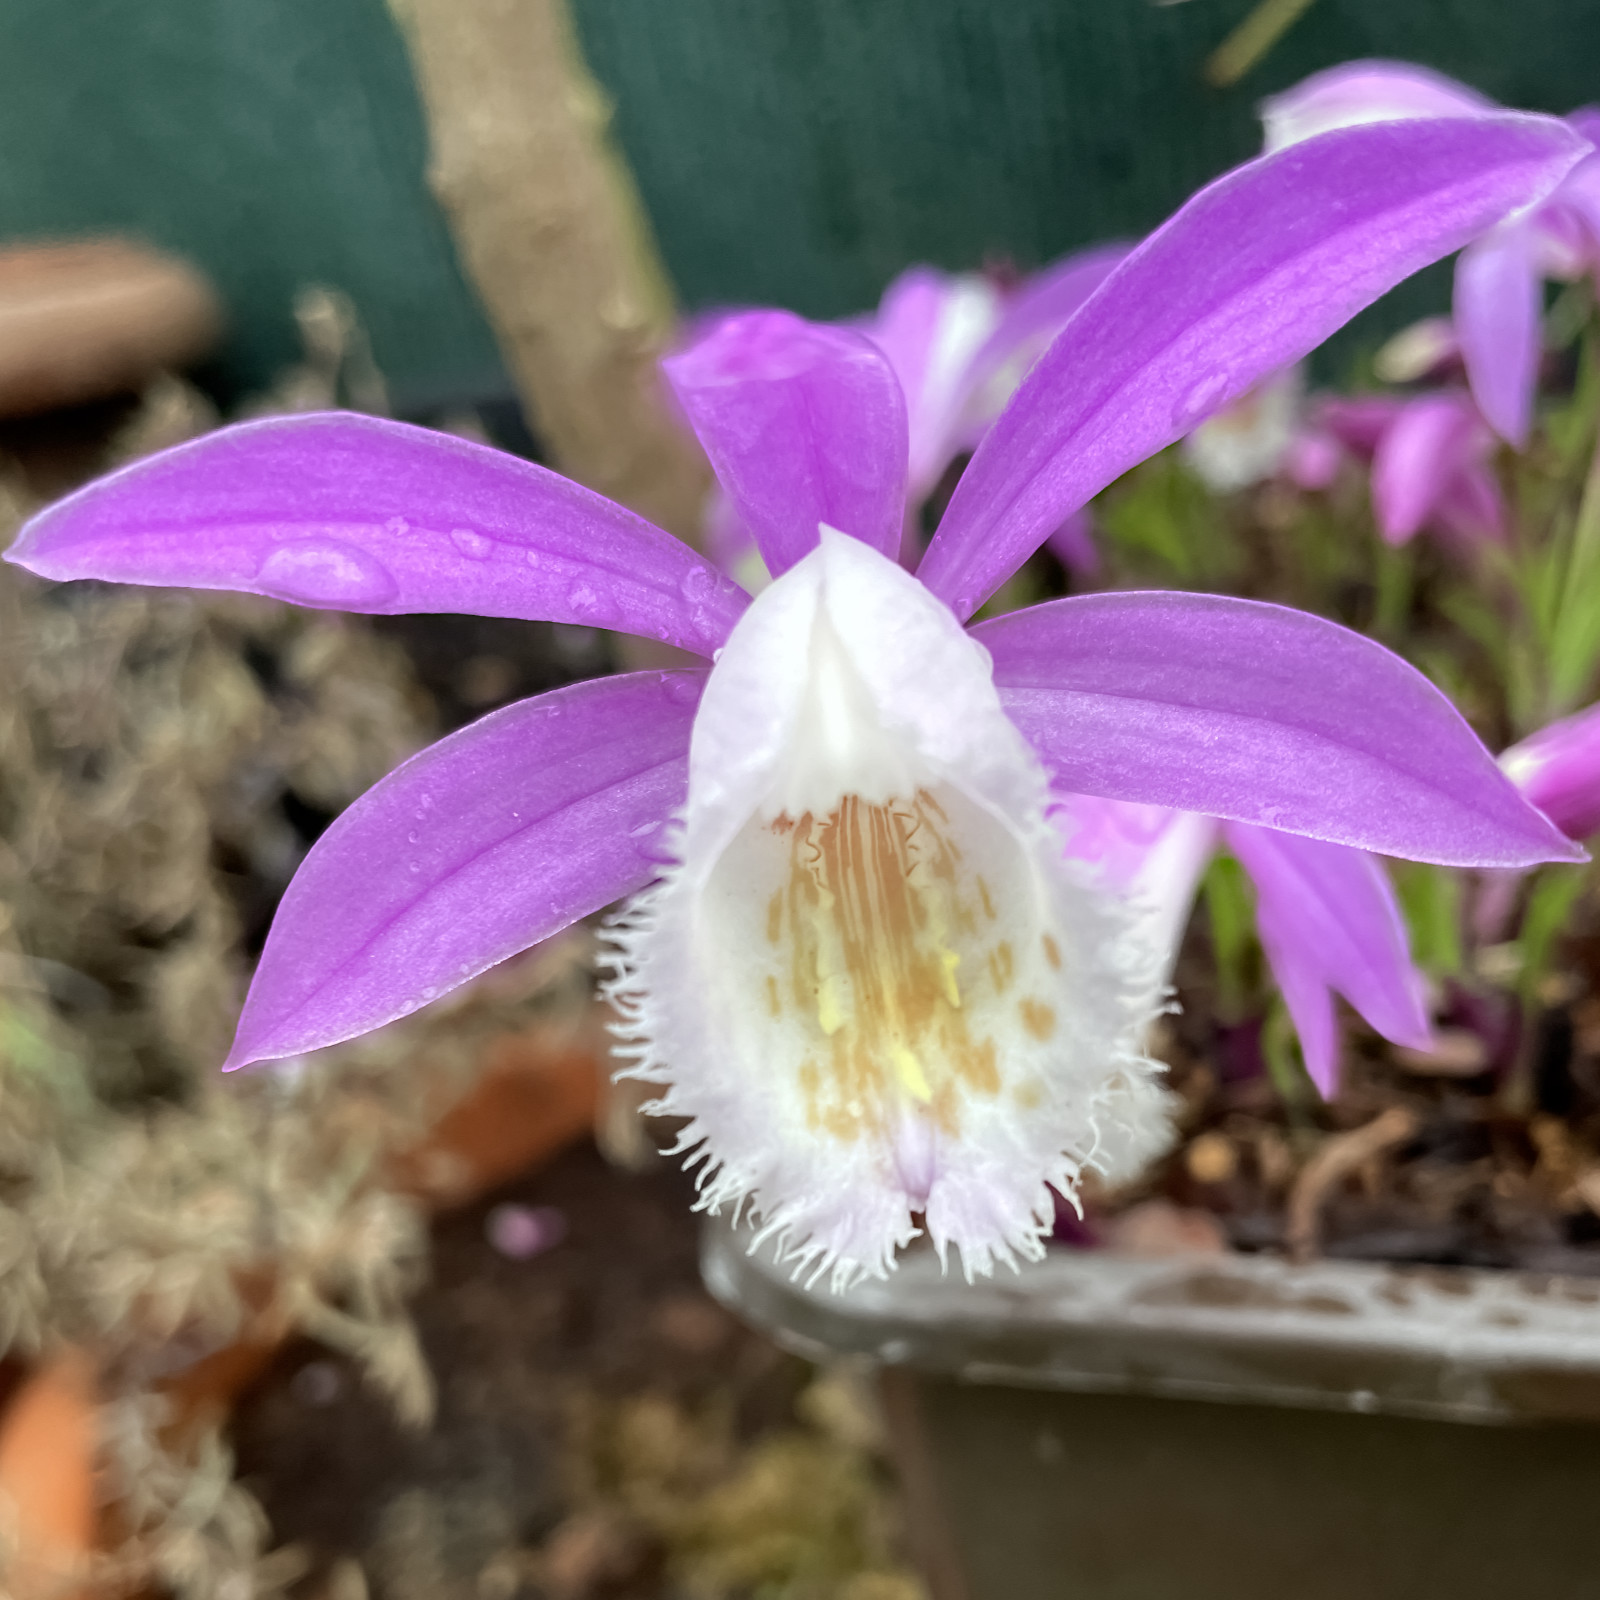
(1498, 305)
(1260, 714)
(1428, 445)
(1313, 460)
(1310, 1001)
(1072, 544)
(1327, 916)
(930, 324)
(354, 513)
(1032, 319)
(1250, 275)
(1472, 510)
(1359, 92)
(1358, 422)
(804, 424)
(485, 843)
(1558, 769)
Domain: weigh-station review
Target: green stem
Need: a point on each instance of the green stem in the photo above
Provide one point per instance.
(1252, 39)
(1396, 586)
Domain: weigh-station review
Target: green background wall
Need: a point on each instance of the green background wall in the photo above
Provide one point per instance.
(793, 151)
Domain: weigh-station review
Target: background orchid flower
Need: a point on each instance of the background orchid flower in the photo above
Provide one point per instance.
(1253, 438)
(1498, 277)
(875, 986)
(960, 345)
(1326, 913)
(1432, 460)
(1558, 769)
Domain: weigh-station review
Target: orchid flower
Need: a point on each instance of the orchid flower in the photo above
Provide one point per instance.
(1558, 770)
(1254, 438)
(959, 346)
(1326, 913)
(1432, 458)
(882, 998)
(1498, 276)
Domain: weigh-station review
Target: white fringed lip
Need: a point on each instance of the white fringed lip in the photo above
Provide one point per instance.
(874, 987)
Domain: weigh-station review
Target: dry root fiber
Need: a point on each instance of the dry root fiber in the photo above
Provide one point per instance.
(165, 761)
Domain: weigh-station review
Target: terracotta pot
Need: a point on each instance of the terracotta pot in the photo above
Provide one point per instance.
(537, 1094)
(48, 1441)
(86, 320)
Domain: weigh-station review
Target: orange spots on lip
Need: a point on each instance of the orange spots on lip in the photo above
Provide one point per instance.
(979, 1066)
(1030, 1096)
(1052, 952)
(1038, 1018)
(987, 899)
(774, 1003)
(775, 916)
(1002, 966)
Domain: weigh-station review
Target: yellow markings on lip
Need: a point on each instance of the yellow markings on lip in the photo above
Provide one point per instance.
(870, 926)
(1052, 952)
(909, 1071)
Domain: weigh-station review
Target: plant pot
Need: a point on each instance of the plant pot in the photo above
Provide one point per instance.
(1112, 1428)
(47, 1479)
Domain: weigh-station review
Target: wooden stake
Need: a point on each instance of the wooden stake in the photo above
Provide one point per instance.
(553, 235)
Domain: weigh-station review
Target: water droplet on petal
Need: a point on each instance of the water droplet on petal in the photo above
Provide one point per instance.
(411, 838)
(474, 546)
(398, 526)
(698, 582)
(533, 558)
(680, 690)
(325, 572)
(644, 830)
(1200, 400)
(584, 601)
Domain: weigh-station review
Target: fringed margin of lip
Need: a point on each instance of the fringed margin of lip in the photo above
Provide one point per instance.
(719, 1182)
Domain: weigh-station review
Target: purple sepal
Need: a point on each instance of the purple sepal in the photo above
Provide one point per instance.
(1558, 769)
(1260, 714)
(1032, 319)
(1255, 271)
(1072, 544)
(1431, 466)
(804, 424)
(1365, 91)
(1499, 300)
(353, 513)
(1329, 922)
(485, 843)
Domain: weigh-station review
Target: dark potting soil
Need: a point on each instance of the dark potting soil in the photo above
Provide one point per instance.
(603, 1427)
(1483, 1154)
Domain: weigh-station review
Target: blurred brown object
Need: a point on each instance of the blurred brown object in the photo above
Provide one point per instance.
(48, 1440)
(99, 317)
(1159, 1228)
(556, 241)
(537, 1094)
